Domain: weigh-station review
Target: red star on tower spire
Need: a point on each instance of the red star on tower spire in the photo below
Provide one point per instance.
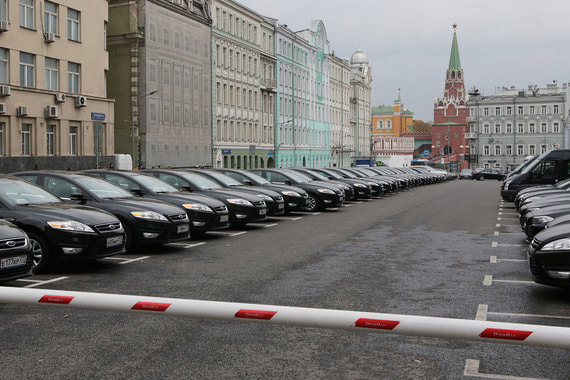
(454, 26)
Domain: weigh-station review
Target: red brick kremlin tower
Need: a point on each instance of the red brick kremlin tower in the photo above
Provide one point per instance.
(450, 114)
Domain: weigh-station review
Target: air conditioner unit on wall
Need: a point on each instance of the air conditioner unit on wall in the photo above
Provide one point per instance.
(4, 26)
(81, 101)
(22, 111)
(49, 37)
(52, 112)
(2, 108)
(60, 97)
(5, 90)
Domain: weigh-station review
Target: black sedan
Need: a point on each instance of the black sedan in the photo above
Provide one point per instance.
(146, 221)
(349, 189)
(16, 258)
(295, 197)
(58, 230)
(273, 200)
(536, 220)
(489, 174)
(363, 189)
(205, 213)
(243, 207)
(321, 194)
(549, 256)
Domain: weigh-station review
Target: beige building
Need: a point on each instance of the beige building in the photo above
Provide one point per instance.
(360, 113)
(53, 65)
(342, 136)
(244, 86)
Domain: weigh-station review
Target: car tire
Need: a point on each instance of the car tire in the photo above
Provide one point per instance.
(41, 252)
(482, 178)
(130, 244)
(313, 204)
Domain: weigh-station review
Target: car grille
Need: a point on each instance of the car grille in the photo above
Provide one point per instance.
(259, 203)
(534, 244)
(108, 227)
(535, 269)
(177, 217)
(221, 209)
(12, 243)
(279, 198)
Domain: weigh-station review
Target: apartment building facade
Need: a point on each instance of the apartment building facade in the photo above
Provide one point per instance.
(54, 111)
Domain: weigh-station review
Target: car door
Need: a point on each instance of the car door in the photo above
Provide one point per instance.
(547, 172)
(61, 187)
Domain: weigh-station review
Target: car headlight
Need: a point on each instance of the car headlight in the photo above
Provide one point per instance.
(507, 184)
(291, 193)
(325, 191)
(70, 225)
(264, 197)
(197, 207)
(239, 201)
(560, 244)
(359, 185)
(541, 219)
(532, 199)
(149, 215)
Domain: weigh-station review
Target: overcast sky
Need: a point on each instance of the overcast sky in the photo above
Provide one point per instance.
(501, 42)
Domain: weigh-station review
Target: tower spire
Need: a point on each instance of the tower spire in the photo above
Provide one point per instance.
(454, 61)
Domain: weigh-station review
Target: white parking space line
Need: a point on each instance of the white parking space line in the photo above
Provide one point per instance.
(482, 312)
(498, 225)
(126, 261)
(497, 233)
(529, 315)
(472, 370)
(39, 282)
(489, 280)
(347, 205)
(495, 260)
(496, 244)
(185, 246)
(271, 225)
(230, 234)
(315, 213)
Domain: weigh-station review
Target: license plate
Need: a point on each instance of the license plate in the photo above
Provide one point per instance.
(13, 262)
(183, 228)
(114, 241)
(223, 218)
(262, 211)
(280, 206)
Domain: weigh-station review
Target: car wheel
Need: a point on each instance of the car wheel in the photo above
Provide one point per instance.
(482, 178)
(41, 252)
(312, 204)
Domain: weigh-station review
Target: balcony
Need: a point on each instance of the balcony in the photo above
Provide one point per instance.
(471, 136)
(268, 84)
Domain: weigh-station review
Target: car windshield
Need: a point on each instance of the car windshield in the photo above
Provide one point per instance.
(301, 178)
(256, 178)
(224, 179)
(318, 176)
(333, 174)
(102, 188)
(201, 182)
(155, 184)
(17, 192)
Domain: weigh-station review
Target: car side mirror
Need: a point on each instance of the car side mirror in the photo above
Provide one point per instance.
(77, 197)
(186, 188)
(247, 182)
(137, 192)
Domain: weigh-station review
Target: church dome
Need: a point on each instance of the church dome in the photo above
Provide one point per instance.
(359, 57)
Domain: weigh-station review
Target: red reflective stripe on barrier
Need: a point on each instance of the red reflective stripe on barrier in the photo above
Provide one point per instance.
(505, 334)
(255, 314)
(63, 300)
(376, 324)
(151, 306)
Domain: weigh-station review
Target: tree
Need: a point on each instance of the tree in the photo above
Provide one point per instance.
(421, 126)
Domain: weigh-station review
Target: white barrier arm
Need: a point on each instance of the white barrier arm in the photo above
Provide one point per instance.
(447, 328)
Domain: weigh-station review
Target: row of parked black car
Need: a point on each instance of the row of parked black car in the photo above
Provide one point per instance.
(540, 189)
(50, 216)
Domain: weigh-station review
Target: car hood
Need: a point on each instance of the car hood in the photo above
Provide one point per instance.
(10, 231)
(224, 194)
(66, 211)
(180, 198)
(550, 234)
(140, 204)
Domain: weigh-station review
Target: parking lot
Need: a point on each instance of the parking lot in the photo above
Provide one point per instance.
(447, 250)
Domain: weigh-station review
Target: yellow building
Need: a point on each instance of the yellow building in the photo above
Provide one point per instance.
(392, 121)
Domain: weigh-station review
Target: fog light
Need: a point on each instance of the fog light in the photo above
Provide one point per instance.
(328, 201)
(558, 274)
(71, 251)
(198, 224)
(150, 235)
(292, 204)
(241, 216)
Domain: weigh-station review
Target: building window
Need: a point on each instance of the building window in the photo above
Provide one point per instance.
(543, 109)
(531, 110)
(520, 128)
(555, 128)
(73, 78)
(531, 128)
(520, 149)
(555, 110)
(380, 124)
(486, 150)
(27, 70)
(73, 140)
(509, 128)
(497, 128)
(486, 111)
(26, 139)
(73, 24)
(497, 111)
(27, 13)
(51, 71)
(50, 18)
(388, 124)
(543, 148)
(543, 128)
(105, 35)
(3, 65)
(50, 139)
(497, 150)
(508, 150)
(509, 110)
(4, 10)
(486, 129)
(520, 110)
(531, 150)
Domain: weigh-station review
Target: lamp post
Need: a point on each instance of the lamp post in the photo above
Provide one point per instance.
(132, 124)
